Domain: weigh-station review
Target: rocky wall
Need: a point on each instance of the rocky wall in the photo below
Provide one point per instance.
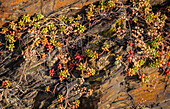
(12, 9)
(129, 93)
(116, 90)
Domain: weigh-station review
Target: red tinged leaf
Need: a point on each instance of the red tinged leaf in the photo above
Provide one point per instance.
(167, 72)
(78, 56)
(49, 47)
(131, 52)
(61, 78)
(130, 43)
(130, 58)
(60, 66)
(168, 63)
(3, 83)
(52, 72)
(88, 73)
(128, 72)
(89, 25)
(70, 66)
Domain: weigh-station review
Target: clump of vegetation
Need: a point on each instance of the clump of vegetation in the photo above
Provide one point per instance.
(58, 44)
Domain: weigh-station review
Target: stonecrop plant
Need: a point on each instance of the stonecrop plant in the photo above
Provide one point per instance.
(60, 45)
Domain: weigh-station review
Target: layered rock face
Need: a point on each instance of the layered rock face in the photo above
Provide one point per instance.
(114, 90)
(12, 9)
